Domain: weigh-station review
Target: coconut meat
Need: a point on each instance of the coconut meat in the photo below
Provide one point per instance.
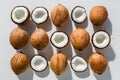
(101, 39)
(79, 14)
(59, 39)
(38, 63)
(39, 15)
(78, 64)
(19, 14)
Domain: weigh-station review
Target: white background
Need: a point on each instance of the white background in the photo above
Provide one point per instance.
(112, 53)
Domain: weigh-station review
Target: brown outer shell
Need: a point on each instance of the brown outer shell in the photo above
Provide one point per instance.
(39, 39)
(59, 15)
(58, 63)
(18, 38)
(72, 16)
(98, 15)
(80, 39)
(19, 63)
(56, 46)
(43, 21)
(72, 66)
(44, 58)
(26, 20)
(98, 63)
(106, 45)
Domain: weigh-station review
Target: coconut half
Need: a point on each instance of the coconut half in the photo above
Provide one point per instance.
(39, 15)
(78, 14)
(78, 64)
(101, 39)
(20, 15)
(59, 39)
(38, 63)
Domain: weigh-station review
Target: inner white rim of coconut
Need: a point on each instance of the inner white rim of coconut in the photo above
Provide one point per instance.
(79, 14)
(19, 14)
(38, 63)
(59, 39)
(101, 39)
(78, 64)
(39, 15)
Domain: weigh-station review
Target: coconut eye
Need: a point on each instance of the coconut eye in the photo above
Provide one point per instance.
(20, 15)
(39, 15)
(101, 39)
(59, 39)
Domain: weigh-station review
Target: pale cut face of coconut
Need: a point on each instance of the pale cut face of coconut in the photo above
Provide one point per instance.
(59, 39)
(19, 14)
(101, 39)
(78, 64)
(78, 14)
(39, 63)
(39, 15)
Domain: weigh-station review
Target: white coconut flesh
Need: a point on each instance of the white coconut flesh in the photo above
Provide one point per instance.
(59, 39)
(79, 14)
(101, 39)
(78, 64)
(39, 15)
(19, 14)
(38, 63)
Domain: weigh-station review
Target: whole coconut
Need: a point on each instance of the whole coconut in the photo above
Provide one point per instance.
(19, 63)
(98, 15)
(39, 39)
(80, 39)
(59, 15)
(18, 38)
(98, 63)
(58, 63)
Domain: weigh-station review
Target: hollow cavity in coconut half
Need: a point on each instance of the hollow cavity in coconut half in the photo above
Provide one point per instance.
(59, 15)
(80, 39)
(39, 15)
(20, 15)
(59, 39)
(38, 63)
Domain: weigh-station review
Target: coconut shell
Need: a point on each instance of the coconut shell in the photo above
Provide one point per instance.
(59, 15)
(98, 63)
(98, 15)
(18, 38)
(39, 39)
(19, 63)
(80, 39)
(58, 63)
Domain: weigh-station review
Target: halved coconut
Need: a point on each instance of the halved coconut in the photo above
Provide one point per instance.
(39, 15)
(59, 39)
(78, 64)
(101, 39)
(20, 15)
(78, 14)
(39, 63)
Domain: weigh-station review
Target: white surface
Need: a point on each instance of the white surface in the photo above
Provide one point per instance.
(112, 52)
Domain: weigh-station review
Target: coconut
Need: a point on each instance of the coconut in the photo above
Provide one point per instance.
(80, 39)
(78, 64)
(58, 63)
(78, 14)
(20, 15)
(39, 15)
(38, 63)
(59, 39)
(19, 63)
(101, 39)
(98, 63)
(59, 15)
(98, 15)
(39, 39)
(18, 38)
